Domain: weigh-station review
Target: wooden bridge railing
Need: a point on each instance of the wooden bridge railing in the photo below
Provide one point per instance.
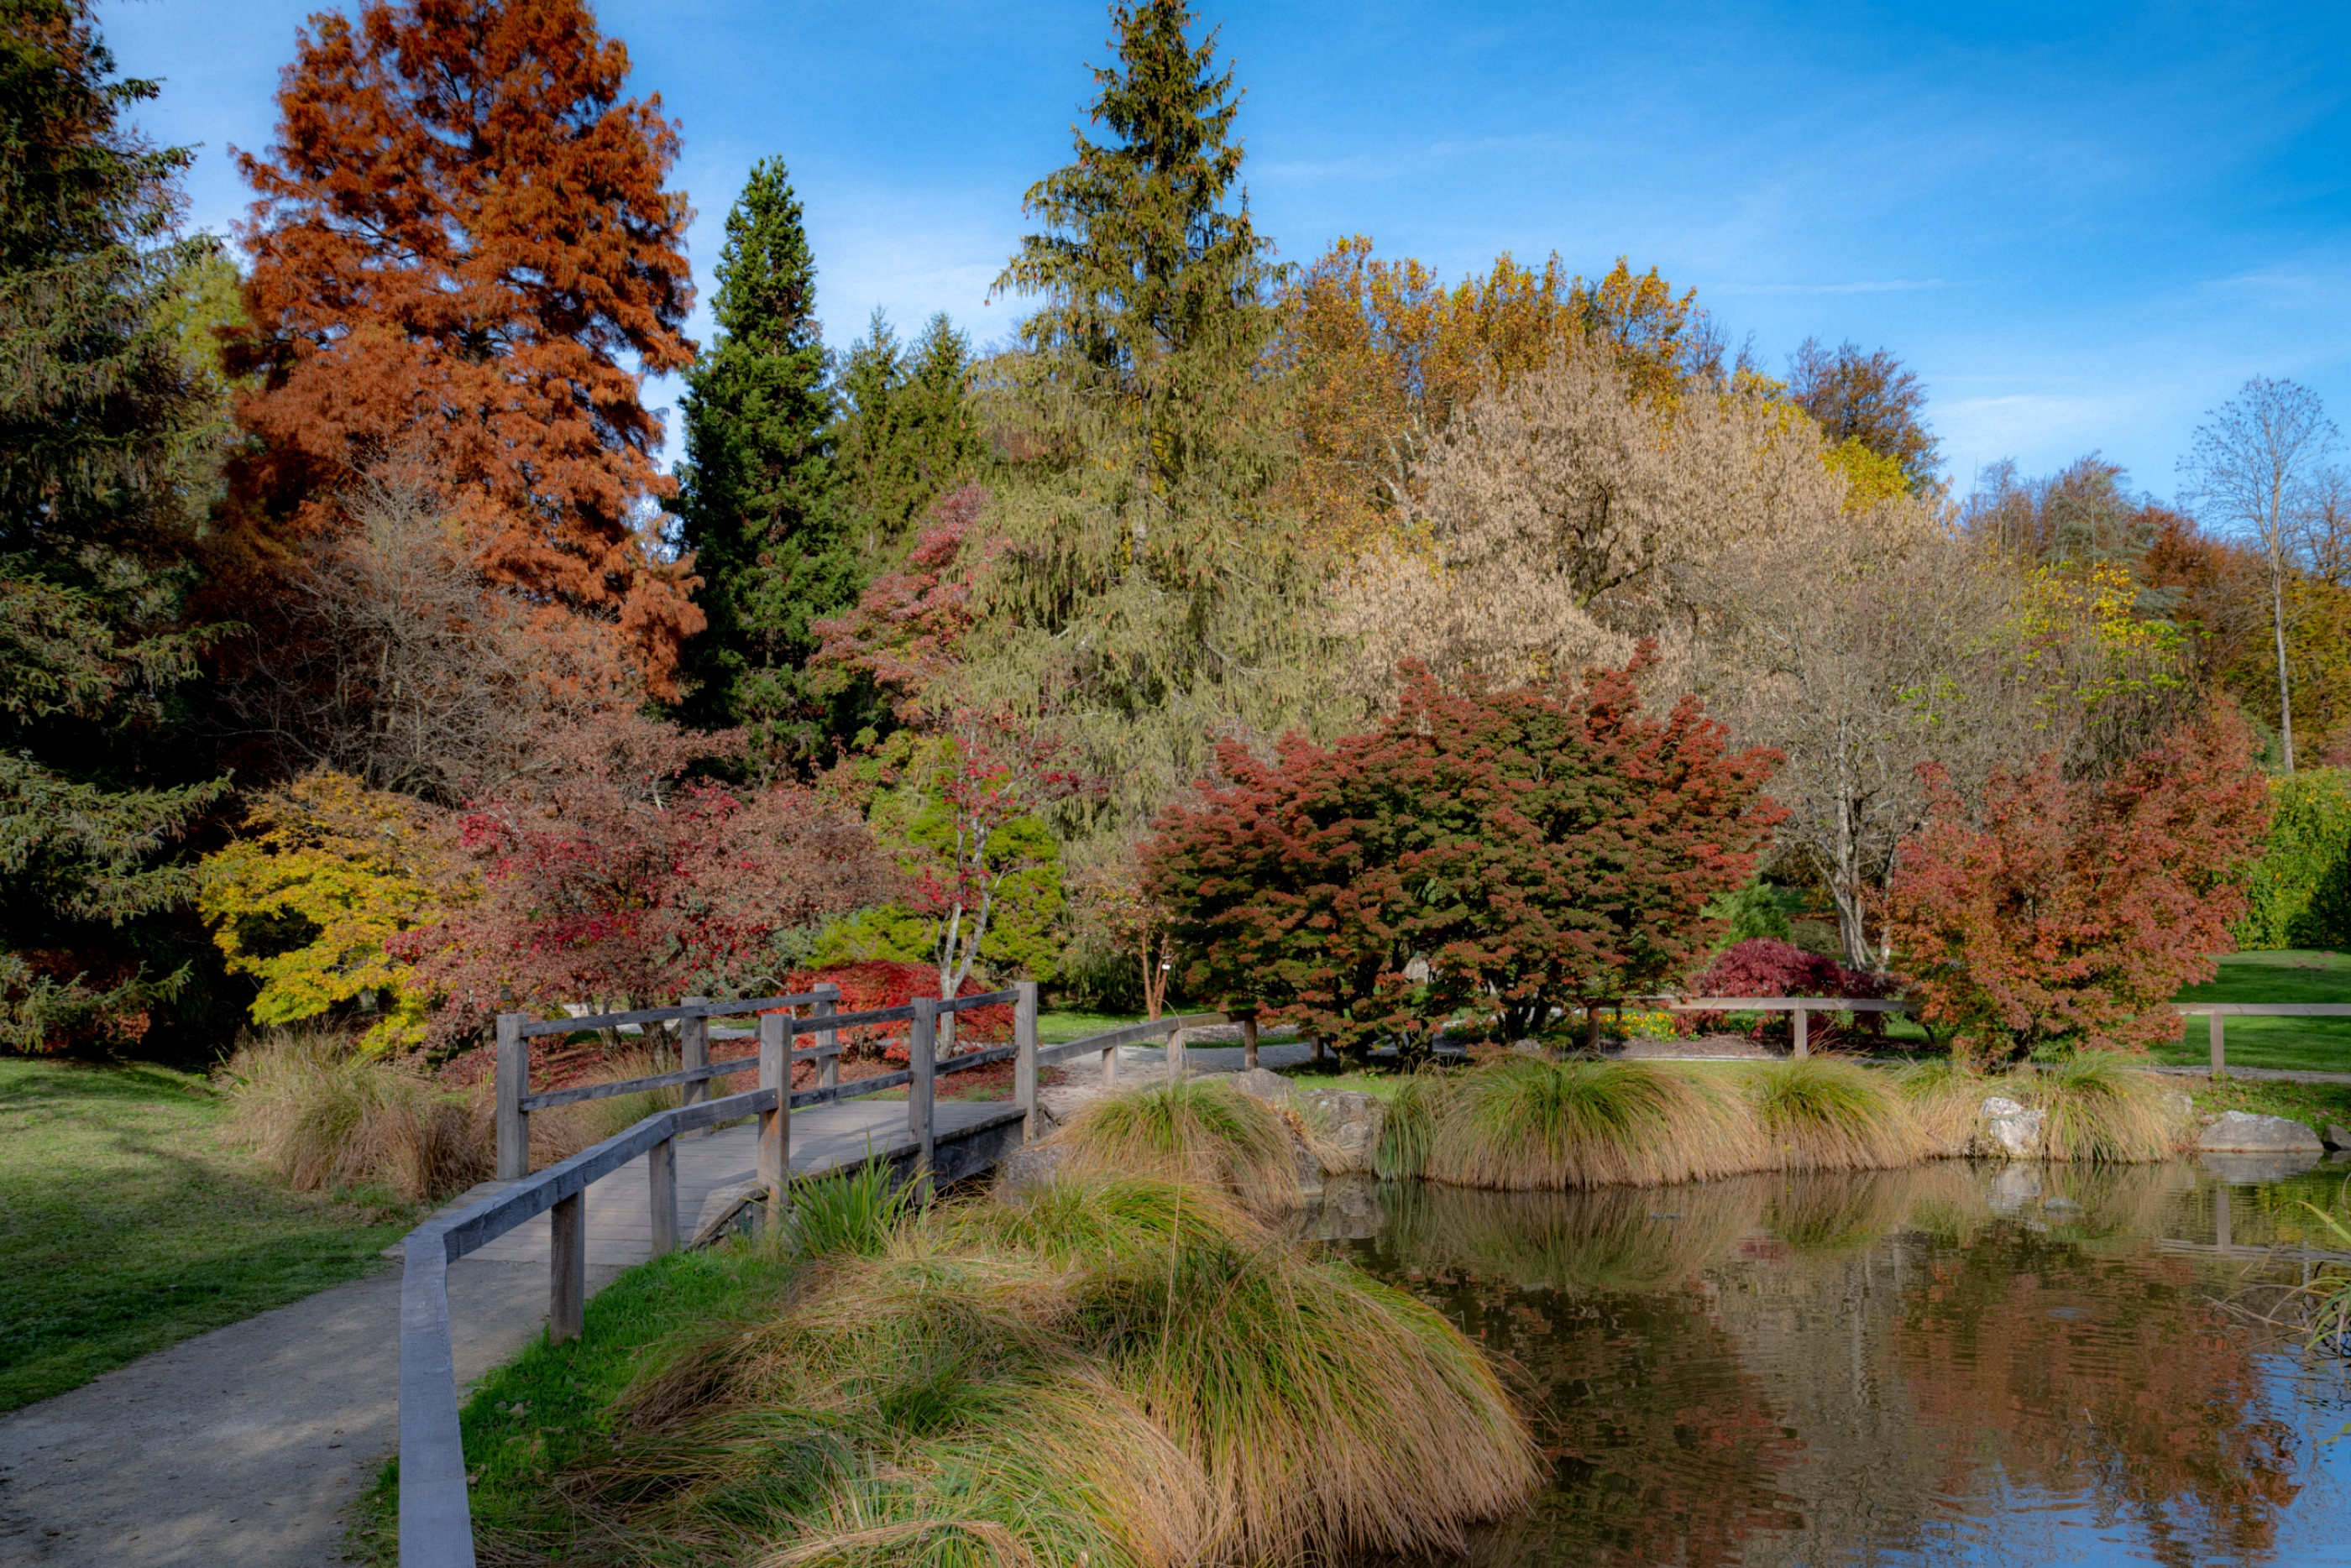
(436, 1517)
(2219, 1034)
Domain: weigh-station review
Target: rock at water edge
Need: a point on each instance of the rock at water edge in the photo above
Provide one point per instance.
(2009, 1130)
(2244, 1132)
(1260, 1085)
(1347, 1125)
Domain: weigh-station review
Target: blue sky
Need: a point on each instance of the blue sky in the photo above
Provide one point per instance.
(2083, 224)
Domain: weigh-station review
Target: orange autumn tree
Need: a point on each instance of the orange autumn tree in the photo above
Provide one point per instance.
(461, 245)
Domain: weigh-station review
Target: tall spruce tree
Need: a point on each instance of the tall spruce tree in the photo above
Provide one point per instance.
(907, 434)
(1149, 598)
(100, 407)
(754, 501)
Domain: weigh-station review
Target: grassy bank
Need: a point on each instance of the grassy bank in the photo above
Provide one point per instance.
(130, 1225)
(1527, 1124)
(2310, 1045)
(1117, 1371)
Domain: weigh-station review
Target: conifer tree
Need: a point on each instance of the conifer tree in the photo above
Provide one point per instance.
(755, 506)
(98, 406)
(1146, 592)
(906, 434)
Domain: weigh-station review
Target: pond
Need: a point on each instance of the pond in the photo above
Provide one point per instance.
(1951, 1363)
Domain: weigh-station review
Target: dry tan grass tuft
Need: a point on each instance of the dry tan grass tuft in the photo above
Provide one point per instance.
(1525, 1123)
(327, 1116)
(1821, 1114)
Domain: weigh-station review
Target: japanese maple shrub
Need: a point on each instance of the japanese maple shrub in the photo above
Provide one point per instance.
(2068, 912)
(1540, 848)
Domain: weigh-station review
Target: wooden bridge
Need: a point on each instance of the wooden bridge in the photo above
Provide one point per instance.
(622, 1199)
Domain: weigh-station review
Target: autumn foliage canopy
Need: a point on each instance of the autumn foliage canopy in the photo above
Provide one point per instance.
(2070, 912)
(460, 236)
(615, 877)
(1535, 848)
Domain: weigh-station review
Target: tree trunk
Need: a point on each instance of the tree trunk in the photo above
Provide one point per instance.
(2286, 692)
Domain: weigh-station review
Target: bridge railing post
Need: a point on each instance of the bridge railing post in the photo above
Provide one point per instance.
(566, 1267)
(1177, 1068)
(2220, 1046)
(514, 1083)
(775, 1164)
(694, 1050)
(828, 1042)
(1248, 1041)
(1804, 1033)
(922, 1056)
(1024, 1057)
(660, 1184)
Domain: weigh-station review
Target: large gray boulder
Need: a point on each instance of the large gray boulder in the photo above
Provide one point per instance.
(2244, 1132)
(1029, 1167)
(2008, 1130)
(1261, 1085)
(1347, 1125)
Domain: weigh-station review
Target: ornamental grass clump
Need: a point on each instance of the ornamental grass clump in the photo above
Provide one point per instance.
(326, 1115)
(2099, 1108)
(1525, 1123)
(1945, 1100)
(1196, 1131)
(1112, 1371)
(1818, 1113)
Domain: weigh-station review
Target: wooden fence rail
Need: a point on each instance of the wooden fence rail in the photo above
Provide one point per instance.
(435, 1518)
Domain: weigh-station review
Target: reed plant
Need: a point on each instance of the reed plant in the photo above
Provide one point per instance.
(1821, 1114)
(2100, 1109)
(325, 1115)
(1105, 1370)
(1193, 1131)
(1528, 1123)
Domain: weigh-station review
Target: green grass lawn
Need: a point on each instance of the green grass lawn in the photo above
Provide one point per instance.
(2322, 1045)
(1057, 1028)
(132, 1226)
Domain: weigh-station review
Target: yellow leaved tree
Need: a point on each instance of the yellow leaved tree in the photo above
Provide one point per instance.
(321, 873)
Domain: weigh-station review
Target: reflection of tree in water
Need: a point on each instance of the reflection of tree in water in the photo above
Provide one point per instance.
(1663, 1448)
(2102, 1375)
(1824, 1369)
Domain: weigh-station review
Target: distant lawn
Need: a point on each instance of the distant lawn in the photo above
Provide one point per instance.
(1058, 1028)
(2319, 1044)
(129, 1225)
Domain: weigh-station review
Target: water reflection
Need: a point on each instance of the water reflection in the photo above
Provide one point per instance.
(1951, 1363)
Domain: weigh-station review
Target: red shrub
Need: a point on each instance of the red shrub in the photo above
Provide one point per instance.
(1538, 848)
(870, 986)
(2071, 913)
(1765, 966)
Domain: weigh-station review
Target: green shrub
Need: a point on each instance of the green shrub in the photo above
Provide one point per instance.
(2299, 895)
(849, 1213)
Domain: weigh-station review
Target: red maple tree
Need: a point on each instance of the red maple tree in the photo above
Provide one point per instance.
(1536, 849)
(906, 631)
(461, 241)
(2070, 911)
(610, 879)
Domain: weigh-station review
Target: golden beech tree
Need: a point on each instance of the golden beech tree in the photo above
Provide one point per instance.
(462, 245)
(1381, 356)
